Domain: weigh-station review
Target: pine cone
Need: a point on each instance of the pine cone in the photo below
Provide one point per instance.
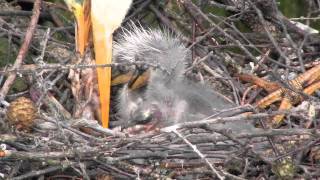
(21, 113)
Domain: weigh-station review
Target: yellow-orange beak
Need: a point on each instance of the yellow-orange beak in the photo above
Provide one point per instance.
(81, 10)
(106, 16)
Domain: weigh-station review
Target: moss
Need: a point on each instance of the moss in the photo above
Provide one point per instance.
(284, 169)
(19, 85)
(6, 55)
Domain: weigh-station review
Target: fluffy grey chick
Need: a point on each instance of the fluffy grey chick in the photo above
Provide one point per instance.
(169, 97)
(152, 47)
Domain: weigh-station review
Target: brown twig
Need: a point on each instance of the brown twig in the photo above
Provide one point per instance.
(23, 49)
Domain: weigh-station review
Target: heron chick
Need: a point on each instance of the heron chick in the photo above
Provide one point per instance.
(169, 97)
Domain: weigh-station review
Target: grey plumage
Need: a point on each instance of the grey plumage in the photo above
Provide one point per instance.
(169, 97)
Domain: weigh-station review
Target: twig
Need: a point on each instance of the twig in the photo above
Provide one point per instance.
(23, 50)
(55, 66)
(44, 171)
(199, 153)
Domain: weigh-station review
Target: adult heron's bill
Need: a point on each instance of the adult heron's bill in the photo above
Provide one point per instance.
(103, 16)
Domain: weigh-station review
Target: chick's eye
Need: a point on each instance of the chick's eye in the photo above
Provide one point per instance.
(142, 116)
(147, 116)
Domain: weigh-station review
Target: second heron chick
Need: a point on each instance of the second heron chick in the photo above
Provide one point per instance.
(169, 96)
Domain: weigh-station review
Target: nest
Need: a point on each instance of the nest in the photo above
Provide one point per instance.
(59, 138)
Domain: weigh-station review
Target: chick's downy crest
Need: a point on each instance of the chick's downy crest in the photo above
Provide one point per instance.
(155, 47)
